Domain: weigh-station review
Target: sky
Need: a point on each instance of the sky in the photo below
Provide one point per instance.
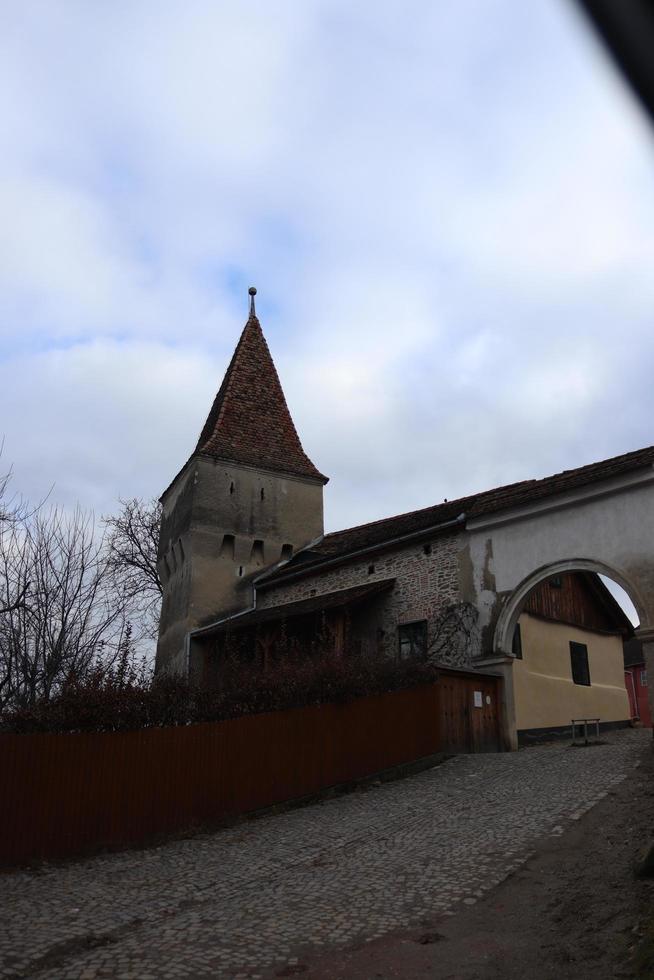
(446, 207)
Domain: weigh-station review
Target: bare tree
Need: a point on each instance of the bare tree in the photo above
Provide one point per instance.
(132, 542)
(11, 511)
(454, 635)
(62, 611)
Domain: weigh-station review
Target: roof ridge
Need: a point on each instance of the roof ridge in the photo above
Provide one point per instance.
(229, 374)
(249, 421)
(482, 493)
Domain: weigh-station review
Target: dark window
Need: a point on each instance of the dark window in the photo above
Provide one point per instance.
(263, 494)
(256, 555)
(371, 569)
(516, 645)
(287, 552)
(412, 639)
(426, 549)
(227, 546)
(579, 663)
(643, 678)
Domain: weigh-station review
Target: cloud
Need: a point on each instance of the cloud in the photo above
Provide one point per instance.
(447, 210)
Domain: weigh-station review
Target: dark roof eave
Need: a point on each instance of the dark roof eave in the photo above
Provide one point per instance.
(320, 478)
(313, 475)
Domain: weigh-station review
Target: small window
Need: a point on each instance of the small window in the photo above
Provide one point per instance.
(240, 571)
(287, 552)
(371, 569)
(643, 678)
(426, 549)
(231, 488)
(516, 645)
(263, 494)
(256, 555)
(412, 641)
(579, 663)
(227, 547)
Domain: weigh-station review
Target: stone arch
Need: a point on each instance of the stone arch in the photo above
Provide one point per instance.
(513, 605)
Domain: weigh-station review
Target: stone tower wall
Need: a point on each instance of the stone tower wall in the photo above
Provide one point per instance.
(223, 524)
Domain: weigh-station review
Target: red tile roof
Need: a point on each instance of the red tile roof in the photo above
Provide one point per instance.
(249, 421)
(341, 543)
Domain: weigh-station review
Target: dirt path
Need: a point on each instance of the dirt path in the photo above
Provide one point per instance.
(572, 912)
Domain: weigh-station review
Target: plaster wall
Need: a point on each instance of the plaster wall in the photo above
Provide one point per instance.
(611, 530)
(544, 692)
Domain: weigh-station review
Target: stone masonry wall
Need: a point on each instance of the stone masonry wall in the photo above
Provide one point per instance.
(427, 582)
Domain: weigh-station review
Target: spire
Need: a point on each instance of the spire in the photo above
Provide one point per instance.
(249, 421)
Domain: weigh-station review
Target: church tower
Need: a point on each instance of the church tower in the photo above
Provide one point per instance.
(248, 497)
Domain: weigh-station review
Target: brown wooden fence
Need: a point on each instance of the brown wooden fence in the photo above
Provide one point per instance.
(69, 795)
(64, 795)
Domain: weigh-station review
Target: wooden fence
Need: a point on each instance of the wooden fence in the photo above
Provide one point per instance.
(69, 795)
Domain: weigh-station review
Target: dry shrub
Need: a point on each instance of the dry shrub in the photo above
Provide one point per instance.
(124, 698)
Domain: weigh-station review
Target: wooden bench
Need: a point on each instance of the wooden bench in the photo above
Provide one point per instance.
(585, 722)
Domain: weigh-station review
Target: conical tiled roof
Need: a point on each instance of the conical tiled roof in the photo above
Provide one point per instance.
(249, 421)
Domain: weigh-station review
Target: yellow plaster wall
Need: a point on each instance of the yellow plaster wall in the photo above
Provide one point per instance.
(545, 694)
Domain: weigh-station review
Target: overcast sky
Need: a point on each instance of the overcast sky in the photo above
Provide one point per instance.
(447, 208)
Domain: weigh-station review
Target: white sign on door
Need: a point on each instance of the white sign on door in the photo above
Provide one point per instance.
(478, 699)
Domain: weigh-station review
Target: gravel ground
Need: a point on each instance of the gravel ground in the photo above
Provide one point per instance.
(574, 911)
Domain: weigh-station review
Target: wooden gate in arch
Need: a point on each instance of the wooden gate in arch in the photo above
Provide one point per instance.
(470, 711)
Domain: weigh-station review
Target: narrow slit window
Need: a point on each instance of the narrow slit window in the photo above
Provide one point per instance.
(371, 569)
(287, 552)
(231, 488)
(263, 493)
(256, 555)
(227, 547)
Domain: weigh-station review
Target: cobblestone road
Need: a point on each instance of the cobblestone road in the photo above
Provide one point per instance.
(242, 902)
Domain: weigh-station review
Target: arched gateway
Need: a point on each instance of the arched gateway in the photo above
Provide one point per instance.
(597, 519)
(248, 570)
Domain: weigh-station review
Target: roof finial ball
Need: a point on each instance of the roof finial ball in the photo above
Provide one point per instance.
(253, 292)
